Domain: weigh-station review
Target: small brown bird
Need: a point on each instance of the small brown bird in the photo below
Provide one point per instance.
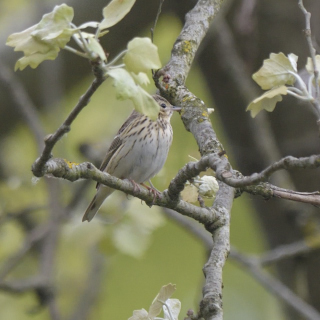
(138, 151)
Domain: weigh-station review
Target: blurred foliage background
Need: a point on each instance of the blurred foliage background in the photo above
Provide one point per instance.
(118, 262)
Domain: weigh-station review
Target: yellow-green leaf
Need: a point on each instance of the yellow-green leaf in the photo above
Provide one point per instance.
(43, 40)
(142, 55)
(35, 59)
(276, 71)
(94, 45)
(267, 101)
(126, 88)
(114, 12)
(140, 78)
(309, 65)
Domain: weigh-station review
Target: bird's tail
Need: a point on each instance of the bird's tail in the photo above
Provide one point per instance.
(102, 193)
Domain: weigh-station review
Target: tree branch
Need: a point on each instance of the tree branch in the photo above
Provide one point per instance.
(287, 163)
(71, 171)
(211, 303)
(171, 83)
(52, 139)
(316, 102)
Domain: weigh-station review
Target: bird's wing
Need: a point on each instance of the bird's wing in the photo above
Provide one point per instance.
(117, 141)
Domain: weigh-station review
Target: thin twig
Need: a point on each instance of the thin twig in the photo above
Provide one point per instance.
(268, 191)
(52, 139)
(316, 102)
(156, 19)
(287, 163)
(251, 184)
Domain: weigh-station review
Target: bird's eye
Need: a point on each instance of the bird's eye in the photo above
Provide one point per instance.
(163, 105)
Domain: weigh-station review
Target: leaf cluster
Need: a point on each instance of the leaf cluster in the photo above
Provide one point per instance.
(279, 75)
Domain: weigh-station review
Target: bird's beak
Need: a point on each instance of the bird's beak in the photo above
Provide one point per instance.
(174, 108)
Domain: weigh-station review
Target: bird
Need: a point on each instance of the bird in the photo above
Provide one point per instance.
(138, 151)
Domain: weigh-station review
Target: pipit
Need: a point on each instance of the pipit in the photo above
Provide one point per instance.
(138, 151)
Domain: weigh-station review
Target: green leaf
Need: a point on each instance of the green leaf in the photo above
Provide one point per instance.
(267, 101)
(91, 24)
(293, 60)
(145, 104)
(124, 83)
(95, 47)
(127, 89)
(142, 55)
(140, 78)
(309, 65)
(276, 71)
(35, 59)
(43, 40)
(115, 11)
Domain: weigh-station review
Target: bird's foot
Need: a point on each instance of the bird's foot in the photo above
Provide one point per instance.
(152, 190)
(136, 187)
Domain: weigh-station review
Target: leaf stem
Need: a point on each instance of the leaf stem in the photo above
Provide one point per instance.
(79, 53)
(116, 67)
(296, 90)
(302, 85)
(122, 53)
(298, 96)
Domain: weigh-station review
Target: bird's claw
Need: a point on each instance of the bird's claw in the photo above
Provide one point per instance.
(152, 190)
(136, 187)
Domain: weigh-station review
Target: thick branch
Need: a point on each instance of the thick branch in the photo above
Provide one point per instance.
(192, 169)
(211, 304)
(72, 172)
(196, 120)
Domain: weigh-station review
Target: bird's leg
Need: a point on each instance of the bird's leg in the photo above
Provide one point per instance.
(153, 190)
(152, 186)
(136, 187)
